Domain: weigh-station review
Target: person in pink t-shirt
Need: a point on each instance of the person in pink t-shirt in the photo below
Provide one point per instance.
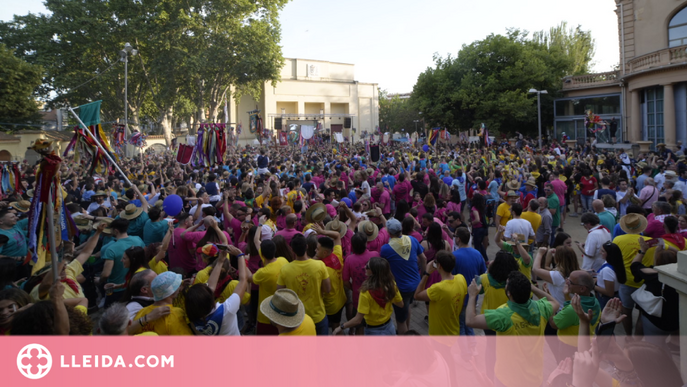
(234, 215)
(384, 200)
(354, 269)
(195, 239)
(290, 231)
(179, 250)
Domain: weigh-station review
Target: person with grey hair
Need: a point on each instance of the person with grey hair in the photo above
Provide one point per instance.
(545, 229)
(660, 210)
(114, 321)
(139, 295)
(649, 194)
(406, 257)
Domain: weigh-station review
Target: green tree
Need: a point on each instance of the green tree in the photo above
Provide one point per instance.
(18, 83)
(575, 43)
(396, 114)
(488, 82)
(190, 52)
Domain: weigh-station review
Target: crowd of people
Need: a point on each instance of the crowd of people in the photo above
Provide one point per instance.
(327, 241)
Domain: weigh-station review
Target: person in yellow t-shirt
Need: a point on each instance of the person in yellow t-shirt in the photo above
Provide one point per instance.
(165, 288)
(266, 279)
(287, 314)
(377, 294)
(445, 297)
(329, 251)
(310, 280)
(503, 214)
(532, 216)
(519, 360)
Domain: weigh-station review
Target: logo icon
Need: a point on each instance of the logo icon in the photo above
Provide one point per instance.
(34, 361)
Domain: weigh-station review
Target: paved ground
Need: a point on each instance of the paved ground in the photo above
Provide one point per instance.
(419, 310)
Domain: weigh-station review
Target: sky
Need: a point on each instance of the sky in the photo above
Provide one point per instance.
(392, 41)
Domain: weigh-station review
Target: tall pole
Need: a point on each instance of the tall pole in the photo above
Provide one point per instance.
(126, 96)
(539, 114)
(54, 259)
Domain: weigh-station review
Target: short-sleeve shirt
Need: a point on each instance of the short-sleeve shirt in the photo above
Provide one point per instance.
(266, 279)
(336, 298)
(222, 320)
(554, 203)
(115, 252)
(136, 225)
(174, 324)
(504, 212)
(305, 278)
(445, 304)
(154, 232)
(307, 328)
(406, 271)
(16, 246)
(373, 312)
(519, 362)
(354, 272)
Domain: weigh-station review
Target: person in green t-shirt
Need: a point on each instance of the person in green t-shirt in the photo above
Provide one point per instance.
(554, 208)
(519, 359)
(113, 269)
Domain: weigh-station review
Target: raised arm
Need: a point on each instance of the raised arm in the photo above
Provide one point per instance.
(217, 270)
(144, 203)
(165, 243)
(536, 267)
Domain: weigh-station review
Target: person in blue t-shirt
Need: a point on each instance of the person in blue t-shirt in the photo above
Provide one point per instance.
(470, 264)
(405, 256)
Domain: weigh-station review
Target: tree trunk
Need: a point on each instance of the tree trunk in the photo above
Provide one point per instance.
(166, 123)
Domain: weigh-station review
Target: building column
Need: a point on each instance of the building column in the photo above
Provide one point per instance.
(669, 127)
(635, 132)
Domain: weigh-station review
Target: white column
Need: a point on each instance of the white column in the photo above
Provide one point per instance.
(675, 276)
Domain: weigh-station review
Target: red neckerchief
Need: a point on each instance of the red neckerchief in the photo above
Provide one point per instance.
(676, 239)
(599, 227)
(71, 284)
(379, 296)
(332, 262)
(221, 284)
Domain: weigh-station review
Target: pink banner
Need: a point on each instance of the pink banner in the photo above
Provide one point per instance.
(280, 361)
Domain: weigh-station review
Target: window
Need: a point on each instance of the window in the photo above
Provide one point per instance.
(654, 115)
(677, 29)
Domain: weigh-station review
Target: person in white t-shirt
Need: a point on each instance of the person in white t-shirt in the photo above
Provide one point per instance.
(566, 262)
(517, 225)
(596, 237)
(607, 283)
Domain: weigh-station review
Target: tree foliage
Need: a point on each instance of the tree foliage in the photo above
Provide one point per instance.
(575, 43)
(190, 52)
(396, 114)
(488, 82)
(18, 83)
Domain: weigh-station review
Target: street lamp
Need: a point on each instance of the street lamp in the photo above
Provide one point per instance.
(416, 121)
(124, 54)
(539, 93)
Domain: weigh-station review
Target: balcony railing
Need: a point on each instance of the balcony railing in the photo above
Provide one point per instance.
(666, 57)
(591, 80)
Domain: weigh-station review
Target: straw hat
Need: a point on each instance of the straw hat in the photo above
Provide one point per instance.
(670, 175)
(21, 206)
(107, 221)
(316, 213)
(513, 194)
(284, 308)
(659, 145)
(142, 187)
(29, 193)
(521, 238)
(83, 224)
(131, 212)
(100, 193)
(633, 223)
(513, 185)
(338, 226)
(159, 204)
(531, 182)
(370, 229)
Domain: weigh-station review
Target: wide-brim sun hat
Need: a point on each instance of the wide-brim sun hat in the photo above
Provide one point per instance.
(100, 193)
(633, 223)
(284, 308)
(316, 213)
(369, 229)
(513, 185)
(21, 206)
(131, 212)
(338, 226)
(107, 221)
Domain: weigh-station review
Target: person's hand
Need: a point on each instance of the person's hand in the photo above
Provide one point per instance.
(612, 312)
(171, 226)
(158, 313)
(642, 244)
(210, 221)
(57, 291)
(501, 229)
(109, 286)
(474, 288)
(337, 331)
(430, 267)
(543, 250)
(585, 317)
(586, 366)
(233, 250)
